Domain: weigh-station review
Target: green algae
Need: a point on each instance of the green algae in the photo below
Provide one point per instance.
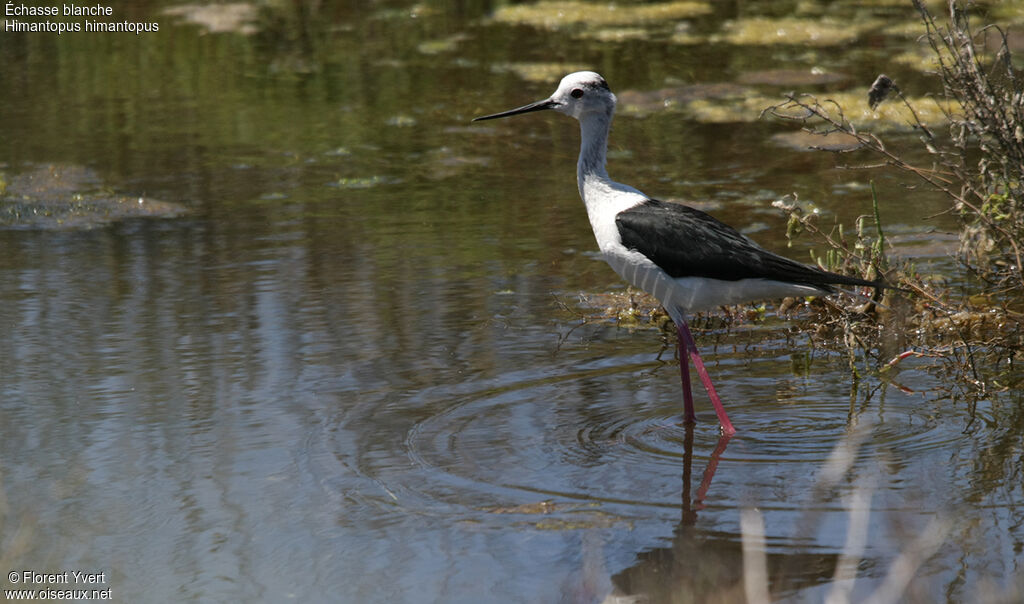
(1008, 12)
(746, 109)
(645, 102)
(401, 120)
(594, 520)
(802, 140)
(889, 116)
(764, 31)
(442, 45)
(616, 34)
(791, 77)
(904, 29)
(446, 162)
(685, 37)
(361, 182)
(539, 72)
(931, 4)
(232, 17)
(917, 60)
(72, 197)
(561, 14)
(416, 11)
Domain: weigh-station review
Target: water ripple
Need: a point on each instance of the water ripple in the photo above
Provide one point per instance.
(594, 434)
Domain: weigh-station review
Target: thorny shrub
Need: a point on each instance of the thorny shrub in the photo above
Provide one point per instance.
(978, 166)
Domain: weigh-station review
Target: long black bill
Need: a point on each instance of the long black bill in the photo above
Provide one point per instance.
(538, 106)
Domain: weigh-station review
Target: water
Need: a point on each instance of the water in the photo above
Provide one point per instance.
(356, 369)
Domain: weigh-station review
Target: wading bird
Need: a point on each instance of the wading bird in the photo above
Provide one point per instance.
(685, 258)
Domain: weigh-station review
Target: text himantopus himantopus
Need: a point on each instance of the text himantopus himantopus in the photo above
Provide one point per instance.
(685, 258)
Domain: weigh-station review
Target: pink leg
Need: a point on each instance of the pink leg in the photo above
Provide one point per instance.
(686, 342)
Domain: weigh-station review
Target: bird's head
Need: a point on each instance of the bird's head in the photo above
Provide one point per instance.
(578, 94)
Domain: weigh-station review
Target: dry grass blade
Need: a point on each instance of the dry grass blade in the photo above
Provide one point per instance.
(859, 504)
(755, 563)
(904, 567)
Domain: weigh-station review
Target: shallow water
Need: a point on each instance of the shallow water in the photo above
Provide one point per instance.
(356, 369)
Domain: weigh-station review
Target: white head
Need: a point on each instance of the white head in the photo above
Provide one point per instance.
(578, 95)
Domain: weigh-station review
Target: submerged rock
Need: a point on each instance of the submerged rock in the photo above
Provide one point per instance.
(802, 140)
(71, 197)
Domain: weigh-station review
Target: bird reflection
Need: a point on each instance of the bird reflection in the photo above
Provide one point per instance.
(691, 505)
(704, 564)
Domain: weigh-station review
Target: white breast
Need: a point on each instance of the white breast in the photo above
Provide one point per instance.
(604, 199)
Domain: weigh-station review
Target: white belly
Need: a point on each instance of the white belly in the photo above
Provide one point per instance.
(686, 295)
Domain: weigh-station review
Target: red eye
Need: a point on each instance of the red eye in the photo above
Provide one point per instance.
(576, 93)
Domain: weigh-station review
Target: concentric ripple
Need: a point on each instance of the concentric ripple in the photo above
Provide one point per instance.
(610, 432)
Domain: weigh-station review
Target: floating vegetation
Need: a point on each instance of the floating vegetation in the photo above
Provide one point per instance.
(556, 516)
(904, 29)
(746, 109)
(445, 163)
(547, 506)
(895, 3)
(763, 31)
(443, 45)
(642, 102)
(594, 520)
(854, 104)
(362, 182)
(791, 77)
(416, 11)
(273, 196)
(802, 140)
(401, 120)
(540, 72)
(616, 34)
(917, 60)
(233, 17)
(561, 14)
(926, 61)
(70, 197)
(1006, 13)
(684, 34)
(631, 309)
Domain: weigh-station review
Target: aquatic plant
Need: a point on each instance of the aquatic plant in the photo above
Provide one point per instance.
(987, 189)
(794, 31)
(979, 167)
(561, 14)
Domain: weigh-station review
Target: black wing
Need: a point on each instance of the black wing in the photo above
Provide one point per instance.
(686, 242)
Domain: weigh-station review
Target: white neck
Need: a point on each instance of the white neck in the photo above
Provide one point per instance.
(603, 197)
(594, 128)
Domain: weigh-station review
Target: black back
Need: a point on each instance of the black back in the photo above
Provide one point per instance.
(686, 242)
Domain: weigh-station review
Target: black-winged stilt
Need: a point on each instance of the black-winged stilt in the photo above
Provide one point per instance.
(685, 258)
